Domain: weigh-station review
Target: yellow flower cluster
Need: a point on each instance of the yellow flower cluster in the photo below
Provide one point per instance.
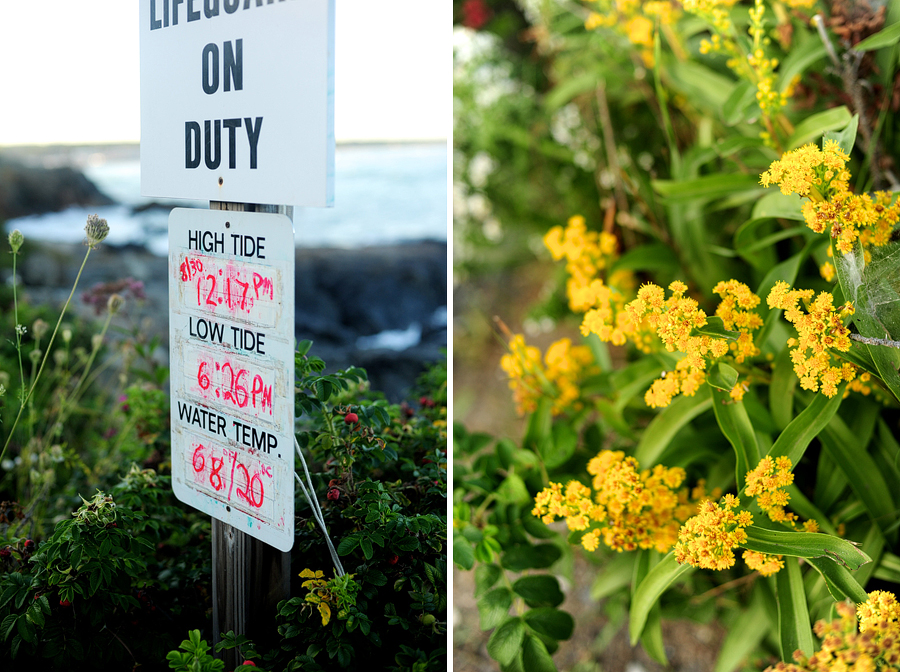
(880, 614)
(738, 314)
(767, 482)
(635, 19)
(675, 319)
(820, 175)
(558, 377)
(820, 329)
(810, 171)
(875, 647)
(707, 540)
(587, 255)
(626, 507)
(767, 565)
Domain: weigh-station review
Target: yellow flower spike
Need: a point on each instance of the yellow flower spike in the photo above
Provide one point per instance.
(767, 565)
(627, 508)
(707, 540)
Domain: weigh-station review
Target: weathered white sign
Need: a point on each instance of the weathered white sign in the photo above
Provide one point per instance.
(237, 100)
(231, 345)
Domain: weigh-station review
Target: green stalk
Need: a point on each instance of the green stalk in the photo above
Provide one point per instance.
(18, 335)
(46, 354)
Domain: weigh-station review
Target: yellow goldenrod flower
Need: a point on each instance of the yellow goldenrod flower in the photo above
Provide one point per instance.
(767, 482)
(558, 377)
(707, 540)
(880, 613)
(820, 329)
(845, 649)
(627, 508)
(767, 565)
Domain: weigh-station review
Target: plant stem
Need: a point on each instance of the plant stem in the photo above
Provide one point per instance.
(18, 334)
(46, 354)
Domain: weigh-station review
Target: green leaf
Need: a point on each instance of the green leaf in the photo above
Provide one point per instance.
(776, 205)
(859, 282)
(839, 580)
(797, 436)
(647, 594)
(535, 657)
(539, 590)
(663, 428)
(463, 553)
(740, 104)
(721, 376)
(862, 472)
(550, 622)
(884, 38)
(540, 425)
(506, 641)
(816, 125)
(793, 613)
(494, 607)
(709, 187)
(366, 545)
(744, 635)
(513, 490)
(804, 545)
(800, 57)
(616, 575)
(559, 447)
(781, 389)
(737, 428)
(652, 640)
(485, 578)
(846, 137)
(520, 558)
(715, 326)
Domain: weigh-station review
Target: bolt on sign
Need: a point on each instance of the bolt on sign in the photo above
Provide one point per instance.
(237, 100)
(231, 348)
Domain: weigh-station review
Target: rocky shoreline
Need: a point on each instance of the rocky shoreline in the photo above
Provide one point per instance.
(352, 303)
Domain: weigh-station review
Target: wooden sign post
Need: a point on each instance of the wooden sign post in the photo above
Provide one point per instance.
(237, 108)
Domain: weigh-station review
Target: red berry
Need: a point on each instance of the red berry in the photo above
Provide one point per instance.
(351, 418)
(249, 662)
(64, 603)
(29, 545)
(334, 494)
(394, 560)
(4, 553)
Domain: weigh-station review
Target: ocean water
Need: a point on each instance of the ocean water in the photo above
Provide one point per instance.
(383, 194)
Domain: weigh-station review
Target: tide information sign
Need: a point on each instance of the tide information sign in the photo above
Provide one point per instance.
(237, 100)
(231, 345)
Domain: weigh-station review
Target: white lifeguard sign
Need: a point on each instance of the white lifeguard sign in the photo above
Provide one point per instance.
(231, 348)
(237, 100)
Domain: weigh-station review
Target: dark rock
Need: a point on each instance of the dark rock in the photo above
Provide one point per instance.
(29, 190)
(344, 294)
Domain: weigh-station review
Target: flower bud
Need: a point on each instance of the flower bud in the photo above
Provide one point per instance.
(67, 333)
(15, 240)
(115, 303)
(96, 341)
(39, 328)
(96, 229)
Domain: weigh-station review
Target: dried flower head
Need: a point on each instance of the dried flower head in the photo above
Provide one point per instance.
(96, 229)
